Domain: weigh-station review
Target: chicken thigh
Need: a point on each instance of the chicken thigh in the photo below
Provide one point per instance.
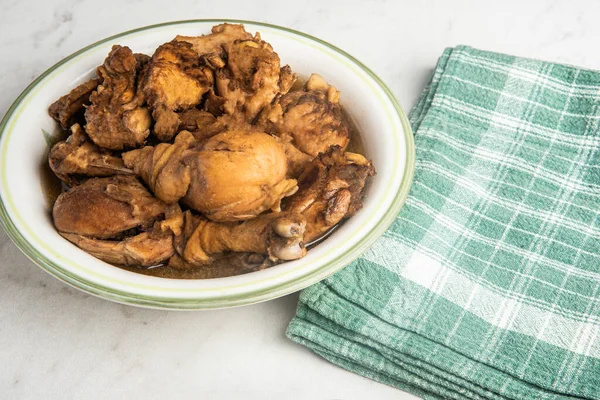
(117, 220)
(105, 207)
(252, 77)
(176, 81)
(312, 118)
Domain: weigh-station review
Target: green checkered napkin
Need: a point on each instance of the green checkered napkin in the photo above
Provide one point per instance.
(487, 285)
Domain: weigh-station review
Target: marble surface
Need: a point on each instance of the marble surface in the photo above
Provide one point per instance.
(58, 342)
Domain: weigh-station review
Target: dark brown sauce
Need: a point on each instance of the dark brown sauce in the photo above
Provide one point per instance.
(51, 185)
(356, 143)
(229, 264)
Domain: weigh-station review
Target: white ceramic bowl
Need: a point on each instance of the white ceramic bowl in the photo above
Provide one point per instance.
(26, 217)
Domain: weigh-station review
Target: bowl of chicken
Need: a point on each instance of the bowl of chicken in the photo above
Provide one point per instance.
(202, 164)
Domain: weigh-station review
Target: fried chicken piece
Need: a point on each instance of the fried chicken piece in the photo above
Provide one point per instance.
(329, 190)
(162, 167)
(212, 44)
(116, 118)
(278, 235)
(145, 249)
(176, 81)
(105, 207)
(312, 117)
(252, 77)
(64, 109)
(80, 156)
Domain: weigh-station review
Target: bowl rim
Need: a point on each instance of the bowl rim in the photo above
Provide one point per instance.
(222, 301)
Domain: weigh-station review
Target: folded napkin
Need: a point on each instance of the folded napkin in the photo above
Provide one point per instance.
(487, 285)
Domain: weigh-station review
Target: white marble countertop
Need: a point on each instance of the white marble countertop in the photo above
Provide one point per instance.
(58, 342)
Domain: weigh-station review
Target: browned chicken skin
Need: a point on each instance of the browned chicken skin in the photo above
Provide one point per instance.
(105, 207)
(278, 235)
(116, 119)
(162, 167)
(238, 175)
(329, 190)
(145, 249)
(79, 156)
(207, 127)
(176, 81)
(297, 161)
(63, 109)
(97, 215)
(204, 125)
(312, 117)
(234, 175)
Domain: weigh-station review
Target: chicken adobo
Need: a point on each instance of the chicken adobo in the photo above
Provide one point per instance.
(204, 159)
